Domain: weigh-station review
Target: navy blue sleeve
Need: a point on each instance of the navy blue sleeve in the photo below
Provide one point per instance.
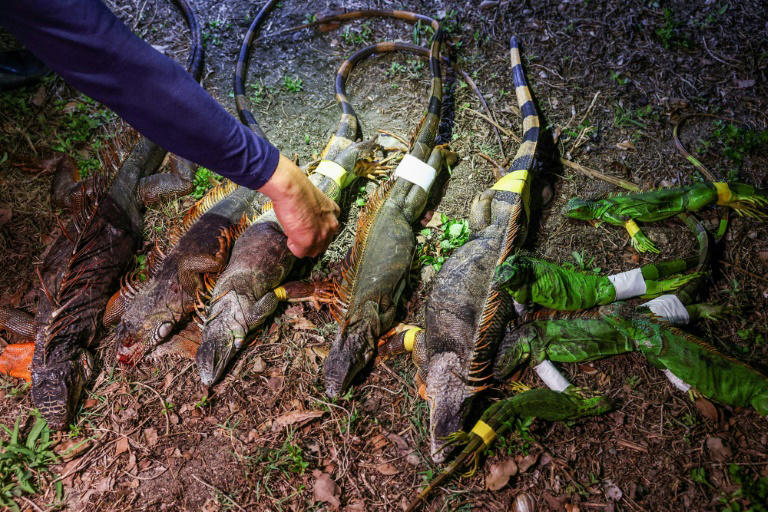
(85, 43)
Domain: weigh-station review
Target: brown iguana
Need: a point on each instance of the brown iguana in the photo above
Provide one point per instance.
(465, 314)
(80, 271)
(375, 270)
(247, 292)
(167, 300)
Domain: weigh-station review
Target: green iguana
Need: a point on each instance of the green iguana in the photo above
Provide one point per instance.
(655, 205)
(248, 291)
(375, 270)
(465, 315)
(689, 362)
(501, 416)
(80, 272)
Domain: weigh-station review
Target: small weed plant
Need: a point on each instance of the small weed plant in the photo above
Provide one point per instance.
(438, 245)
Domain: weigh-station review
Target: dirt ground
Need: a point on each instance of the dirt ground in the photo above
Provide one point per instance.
(611, 80)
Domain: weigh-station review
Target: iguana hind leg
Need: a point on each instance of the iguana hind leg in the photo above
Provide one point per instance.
(166, 186)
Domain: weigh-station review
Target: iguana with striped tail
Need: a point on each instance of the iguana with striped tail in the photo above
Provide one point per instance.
(465, 315)
(80, 272)
(689, 362)
(248, 291)
(500, 417)
(376, 268)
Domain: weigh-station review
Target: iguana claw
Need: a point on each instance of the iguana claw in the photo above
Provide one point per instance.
(643, 244)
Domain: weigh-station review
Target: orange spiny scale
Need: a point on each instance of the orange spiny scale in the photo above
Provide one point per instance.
(267, 206)
(205, 203)
(45, 289)
(365, 221)
(63, 228)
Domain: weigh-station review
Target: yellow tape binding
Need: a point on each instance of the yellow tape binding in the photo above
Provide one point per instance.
(518, 183)
(280, 293)
(484, 431)
(723, 193)
(410, 337)
(631, 227)
(334, 172)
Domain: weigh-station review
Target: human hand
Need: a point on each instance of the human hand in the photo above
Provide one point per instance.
(308, 217)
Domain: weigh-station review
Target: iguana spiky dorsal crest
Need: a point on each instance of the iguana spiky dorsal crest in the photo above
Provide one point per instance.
(344, 287)
(490, 321)
(205, 203)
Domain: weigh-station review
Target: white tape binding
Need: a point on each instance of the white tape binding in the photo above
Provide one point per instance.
(628, 284)
(551, 376)
(676, 381)
(669, 307)
(519, 307)
(416, 171)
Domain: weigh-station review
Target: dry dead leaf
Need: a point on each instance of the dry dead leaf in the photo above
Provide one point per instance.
(500, 473)
(387, 469)
(325, 490)
(5, 215)
(72, 448)
(121, 446)
(151, 436)
(295, 417)
(569, 507)
(258, 366)
(526, 462)
(435, 221)
(626, 145)
(717, 448)
(303, 323)
(707, 409)
(356, 506)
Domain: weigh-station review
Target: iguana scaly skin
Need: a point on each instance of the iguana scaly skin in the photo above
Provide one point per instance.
(248, 291)
(374, 272)
(465, 315)
(166, 301)
(535, 281)
(81, 270)
(500, 417)
(619, 328)
(661, 204)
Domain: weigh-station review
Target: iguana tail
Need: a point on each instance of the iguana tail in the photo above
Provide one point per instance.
(240, 71)
(501, 416)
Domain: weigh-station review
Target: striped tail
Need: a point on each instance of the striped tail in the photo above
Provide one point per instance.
(195, 59)
(525, 156)
(240, 71)
(426, 132)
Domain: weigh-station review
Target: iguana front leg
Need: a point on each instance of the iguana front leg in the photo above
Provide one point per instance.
(639, 240)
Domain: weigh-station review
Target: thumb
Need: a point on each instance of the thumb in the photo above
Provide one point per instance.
(297, 251)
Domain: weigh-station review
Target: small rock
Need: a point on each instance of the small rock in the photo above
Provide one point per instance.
(258, 366)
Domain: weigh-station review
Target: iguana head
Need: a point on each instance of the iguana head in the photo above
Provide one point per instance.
(579, 209)
(56, 388)
(448, 400)
(222, 337)
(512, 273)
(352, 349)
(137, 336)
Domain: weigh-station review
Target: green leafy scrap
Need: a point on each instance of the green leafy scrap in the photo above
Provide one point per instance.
(451, 234)
(203, 181)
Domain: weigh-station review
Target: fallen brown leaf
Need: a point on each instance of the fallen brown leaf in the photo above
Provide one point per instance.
(303, 323)
(121, 446)
(325, 490)
(295, 417)
(151, 436)
(707, 409)
(500, 473)
(524, 462)
(717, 449)
(387, 469)
(5, 216)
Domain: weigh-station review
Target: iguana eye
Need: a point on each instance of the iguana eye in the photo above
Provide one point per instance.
(164, 329)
